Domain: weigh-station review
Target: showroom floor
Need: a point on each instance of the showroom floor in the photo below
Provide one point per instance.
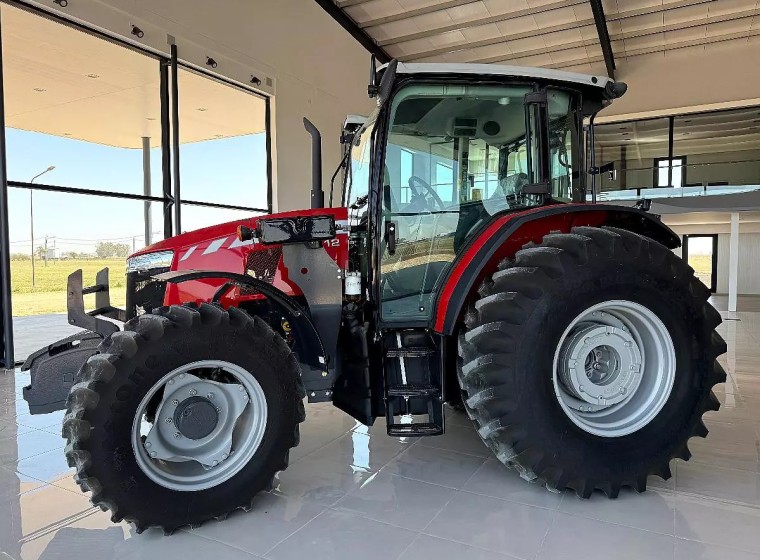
(353, 492)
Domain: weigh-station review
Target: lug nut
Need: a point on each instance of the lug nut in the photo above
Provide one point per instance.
(193, 392)
(152, 453)
(210, 396)
(175, 402)
(148, 444)
(218, 408)
(215, 463)
(177, 435)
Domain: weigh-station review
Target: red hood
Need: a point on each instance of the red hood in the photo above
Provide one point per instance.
(212, 232)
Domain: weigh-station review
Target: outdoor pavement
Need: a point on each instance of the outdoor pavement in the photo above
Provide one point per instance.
(32, 333)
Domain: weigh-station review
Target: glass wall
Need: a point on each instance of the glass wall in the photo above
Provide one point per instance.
(719, 149)
(632, 147)
(695, 154)
(83, 123)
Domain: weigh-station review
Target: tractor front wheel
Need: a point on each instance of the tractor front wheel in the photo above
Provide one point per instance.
(588, 360)
(184, 416)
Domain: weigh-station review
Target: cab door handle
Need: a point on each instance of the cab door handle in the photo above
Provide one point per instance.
(390, 237)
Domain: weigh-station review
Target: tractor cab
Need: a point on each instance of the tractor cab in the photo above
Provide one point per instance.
(447, 151)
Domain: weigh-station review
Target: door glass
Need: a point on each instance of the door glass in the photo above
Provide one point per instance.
(456, 155)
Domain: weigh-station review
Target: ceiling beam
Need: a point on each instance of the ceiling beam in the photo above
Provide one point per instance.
(353, 28)
(657, 9)
(604, 36)
(478, 21)
(429, 9)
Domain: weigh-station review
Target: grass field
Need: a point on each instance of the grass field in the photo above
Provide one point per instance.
(702, 265)
(49, 293)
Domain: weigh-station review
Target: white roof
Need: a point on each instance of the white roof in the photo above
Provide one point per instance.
(499, 70)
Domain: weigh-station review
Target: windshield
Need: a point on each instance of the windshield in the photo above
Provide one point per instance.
(456, 155)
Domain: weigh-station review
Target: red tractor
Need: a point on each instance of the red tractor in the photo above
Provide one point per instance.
(464, 265)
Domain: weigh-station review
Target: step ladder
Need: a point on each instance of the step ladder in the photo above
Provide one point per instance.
(414, 388)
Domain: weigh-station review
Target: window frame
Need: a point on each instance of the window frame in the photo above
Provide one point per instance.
(170, 199)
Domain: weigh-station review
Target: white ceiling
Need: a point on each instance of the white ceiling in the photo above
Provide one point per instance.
(549, 33)
(65, 82)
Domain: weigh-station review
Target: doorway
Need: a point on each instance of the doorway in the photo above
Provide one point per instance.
(701, 253)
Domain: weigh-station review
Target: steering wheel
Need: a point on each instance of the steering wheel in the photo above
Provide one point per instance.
(417, 195)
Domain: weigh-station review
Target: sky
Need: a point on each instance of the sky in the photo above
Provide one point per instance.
(225, 170)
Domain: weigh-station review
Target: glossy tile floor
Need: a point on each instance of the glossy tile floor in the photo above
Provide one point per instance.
(352, 492)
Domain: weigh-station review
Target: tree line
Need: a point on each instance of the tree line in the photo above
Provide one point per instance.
(103, 250)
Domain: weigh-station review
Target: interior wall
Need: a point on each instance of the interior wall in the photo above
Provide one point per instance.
(749, 253)
(670, 82)
(311, 66)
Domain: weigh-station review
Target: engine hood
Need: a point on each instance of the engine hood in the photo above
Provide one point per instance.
(192, 238)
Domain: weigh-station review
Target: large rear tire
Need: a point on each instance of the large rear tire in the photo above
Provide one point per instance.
(184, 416)
(588, 361)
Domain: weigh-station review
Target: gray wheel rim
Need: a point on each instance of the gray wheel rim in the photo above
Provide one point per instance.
(198, 463)
(614, 368)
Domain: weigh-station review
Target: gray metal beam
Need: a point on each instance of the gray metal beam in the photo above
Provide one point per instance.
(604, 36)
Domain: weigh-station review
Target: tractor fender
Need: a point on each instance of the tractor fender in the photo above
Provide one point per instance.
(317, 377)
(507, 233)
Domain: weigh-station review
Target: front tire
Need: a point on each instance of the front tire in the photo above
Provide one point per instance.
(588, 360)
(223, 383)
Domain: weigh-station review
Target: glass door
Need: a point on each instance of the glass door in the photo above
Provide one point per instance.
(701, 253)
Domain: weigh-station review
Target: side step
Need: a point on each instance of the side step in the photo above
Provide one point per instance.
(413, 384)
(415, 430)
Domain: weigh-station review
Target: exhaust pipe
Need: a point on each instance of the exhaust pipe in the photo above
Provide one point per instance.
(317, 194)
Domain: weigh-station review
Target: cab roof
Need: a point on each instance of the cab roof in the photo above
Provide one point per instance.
(500, 70)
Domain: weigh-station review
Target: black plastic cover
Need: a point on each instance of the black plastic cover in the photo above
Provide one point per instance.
(300, 229)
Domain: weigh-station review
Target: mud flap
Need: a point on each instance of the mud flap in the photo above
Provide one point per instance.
(54, 370)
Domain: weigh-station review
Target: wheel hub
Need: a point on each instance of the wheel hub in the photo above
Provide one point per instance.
(614, 368)
(196, 417)
(601, 363)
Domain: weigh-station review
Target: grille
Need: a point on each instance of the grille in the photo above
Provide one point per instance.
(262, 264)
(144, 294)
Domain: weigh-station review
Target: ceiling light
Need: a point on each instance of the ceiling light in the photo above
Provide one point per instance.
(211, 62)
(39, 89)
(67, 133)
(150, 118)
(201, 109)
(137, 32)
(93, 76)
(61, 3)
(218, 135)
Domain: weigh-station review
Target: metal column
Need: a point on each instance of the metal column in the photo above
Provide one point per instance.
(175, 140)
(165, 149)
(7, 359)
(146, 190)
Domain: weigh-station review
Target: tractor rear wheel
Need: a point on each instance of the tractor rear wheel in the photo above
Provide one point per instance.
(588, 361)
(184, 416)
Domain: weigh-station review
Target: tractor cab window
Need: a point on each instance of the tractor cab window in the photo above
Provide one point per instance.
(562, 134)
(456, 155)
(358, 172)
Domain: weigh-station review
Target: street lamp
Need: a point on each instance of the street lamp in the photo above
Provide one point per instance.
(31, 216)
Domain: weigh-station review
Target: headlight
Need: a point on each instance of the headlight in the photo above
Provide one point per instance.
(160, 259)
